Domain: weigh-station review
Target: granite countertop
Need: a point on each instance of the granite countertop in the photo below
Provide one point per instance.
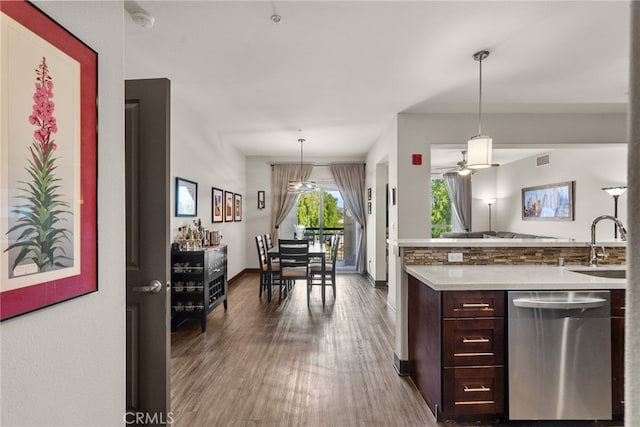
(497, 242)
(513, 277)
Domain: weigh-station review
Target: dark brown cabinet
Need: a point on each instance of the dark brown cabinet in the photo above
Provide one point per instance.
(456, 350)
(198, 284)
(617, 352)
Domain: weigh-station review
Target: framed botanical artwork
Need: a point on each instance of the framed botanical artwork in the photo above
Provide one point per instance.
(237, 207)
(551, 202)
(217, 206)
(228, 206)
(186, 197)
(48, 90)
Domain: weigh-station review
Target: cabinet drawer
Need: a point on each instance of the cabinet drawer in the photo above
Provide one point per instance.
(473, 304)
(617, 303)
(470, 391)
(473, 342)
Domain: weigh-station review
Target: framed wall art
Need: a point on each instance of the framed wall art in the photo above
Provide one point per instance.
(48, 249)
(186, 197)
(261, 199)
(552, 202)
(228, 206)
(237, 207)
(217, 205)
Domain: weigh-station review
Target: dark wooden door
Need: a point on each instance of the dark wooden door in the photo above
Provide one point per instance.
(148, 212)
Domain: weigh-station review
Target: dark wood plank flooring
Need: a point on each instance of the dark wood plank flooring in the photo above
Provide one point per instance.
(270, 364)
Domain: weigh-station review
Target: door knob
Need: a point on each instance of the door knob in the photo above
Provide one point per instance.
(154, 287)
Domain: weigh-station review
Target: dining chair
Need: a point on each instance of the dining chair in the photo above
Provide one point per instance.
(294, 261)
(265, 280)
(268, 242)
(329, 268)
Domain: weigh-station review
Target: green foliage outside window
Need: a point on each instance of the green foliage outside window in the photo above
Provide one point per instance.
(308, 210)
(440, 208)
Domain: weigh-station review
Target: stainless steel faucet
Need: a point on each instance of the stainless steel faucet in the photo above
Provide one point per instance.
(593, 257)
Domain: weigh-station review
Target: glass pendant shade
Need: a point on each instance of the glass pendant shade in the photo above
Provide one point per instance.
(616, 191)
(479, 150)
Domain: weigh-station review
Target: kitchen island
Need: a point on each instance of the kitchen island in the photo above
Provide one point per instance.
(458, 345)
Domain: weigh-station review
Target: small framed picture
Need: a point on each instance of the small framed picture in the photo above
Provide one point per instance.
(217, 206)
(237, 207)
(261, 199)
(186, 197)
(228, 206)
(369, 193)
(369, 207)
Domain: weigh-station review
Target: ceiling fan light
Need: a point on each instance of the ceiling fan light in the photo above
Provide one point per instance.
(464, 172)
(479, 150)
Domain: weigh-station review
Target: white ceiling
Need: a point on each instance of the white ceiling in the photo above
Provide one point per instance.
(341, 70)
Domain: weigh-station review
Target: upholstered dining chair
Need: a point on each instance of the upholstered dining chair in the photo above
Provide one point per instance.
(329, 268)
(264, 267)
(294, 261)
(268, 242)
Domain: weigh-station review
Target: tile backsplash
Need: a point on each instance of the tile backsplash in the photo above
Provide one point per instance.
(511, 255)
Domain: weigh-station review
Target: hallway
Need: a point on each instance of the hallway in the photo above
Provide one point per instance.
(264, 364)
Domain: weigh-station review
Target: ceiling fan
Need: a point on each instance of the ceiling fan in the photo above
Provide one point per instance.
(461, 166)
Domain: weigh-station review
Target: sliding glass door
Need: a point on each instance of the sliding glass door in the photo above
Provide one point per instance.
(323, 214)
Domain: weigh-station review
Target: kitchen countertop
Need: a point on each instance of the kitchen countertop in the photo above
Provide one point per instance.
(419, 243)
(513, 277)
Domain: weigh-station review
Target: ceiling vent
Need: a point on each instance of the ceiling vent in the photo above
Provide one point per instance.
(542, 160)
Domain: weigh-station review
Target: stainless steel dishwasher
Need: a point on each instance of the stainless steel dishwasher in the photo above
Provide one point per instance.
(559, 355)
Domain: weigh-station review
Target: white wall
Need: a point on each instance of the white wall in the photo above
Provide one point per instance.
(377, 179)
(258, 177)
(591, 167)
(197, 154)
(64, 365)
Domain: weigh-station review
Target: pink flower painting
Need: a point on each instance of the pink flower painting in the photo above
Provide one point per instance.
(41, 211)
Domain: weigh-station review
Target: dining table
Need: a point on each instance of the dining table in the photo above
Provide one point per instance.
(317, 250)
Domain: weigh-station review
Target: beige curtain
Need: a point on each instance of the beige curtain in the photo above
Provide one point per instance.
(459, 189)
(281, 200)
(350, 180)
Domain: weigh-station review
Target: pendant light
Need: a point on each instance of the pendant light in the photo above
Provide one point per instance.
(479, 147)
(301, 186)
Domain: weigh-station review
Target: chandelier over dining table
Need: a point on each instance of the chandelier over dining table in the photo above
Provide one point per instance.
(300, 185)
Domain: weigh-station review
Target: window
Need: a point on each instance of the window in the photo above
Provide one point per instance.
(440, 208)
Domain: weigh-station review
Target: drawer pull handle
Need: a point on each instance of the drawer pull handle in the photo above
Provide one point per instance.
(476, 389)
(475, 340)
(475, 305)
(477, 402)
(471, 354)
(622, 307)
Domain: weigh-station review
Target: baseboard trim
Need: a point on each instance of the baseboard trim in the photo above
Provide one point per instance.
(375, 283)
(401, 366)
(242, 273)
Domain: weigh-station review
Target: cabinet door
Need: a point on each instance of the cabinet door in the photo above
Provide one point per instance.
(617, 366)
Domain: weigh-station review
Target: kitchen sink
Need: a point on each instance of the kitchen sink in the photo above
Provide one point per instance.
(603, 272)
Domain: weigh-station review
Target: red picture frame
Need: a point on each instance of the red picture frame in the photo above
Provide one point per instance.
(76, 274)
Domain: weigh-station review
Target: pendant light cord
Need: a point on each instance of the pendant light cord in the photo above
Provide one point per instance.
(480, 101)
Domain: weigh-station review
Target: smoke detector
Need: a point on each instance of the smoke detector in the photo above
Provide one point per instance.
(142, 18)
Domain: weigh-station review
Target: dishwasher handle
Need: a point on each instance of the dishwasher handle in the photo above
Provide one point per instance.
(560, 304)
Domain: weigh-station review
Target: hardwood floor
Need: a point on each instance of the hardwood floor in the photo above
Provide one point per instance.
(264, 364)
